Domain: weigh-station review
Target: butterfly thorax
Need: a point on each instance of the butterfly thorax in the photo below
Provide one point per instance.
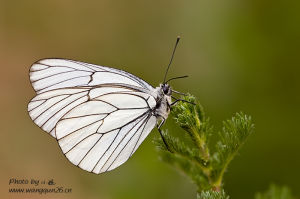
(163, 100)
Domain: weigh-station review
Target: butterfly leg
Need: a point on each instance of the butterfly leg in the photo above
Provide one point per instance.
(159, 130)
(178, 100)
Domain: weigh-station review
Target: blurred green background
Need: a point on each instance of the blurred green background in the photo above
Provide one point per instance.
(240, 55)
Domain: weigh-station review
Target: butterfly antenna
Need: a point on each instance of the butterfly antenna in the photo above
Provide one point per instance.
(185, 76)
(178, 38)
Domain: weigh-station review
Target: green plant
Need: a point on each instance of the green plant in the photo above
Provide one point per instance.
(205, 155)
(204, 162)
(275, 192)
(210, 194)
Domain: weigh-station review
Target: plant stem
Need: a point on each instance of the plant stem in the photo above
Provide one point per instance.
(200, 143)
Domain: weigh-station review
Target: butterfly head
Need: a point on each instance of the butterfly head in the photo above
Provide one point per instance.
(166, 89)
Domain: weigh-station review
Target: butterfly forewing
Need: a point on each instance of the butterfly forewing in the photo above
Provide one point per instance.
(99, 115)
(50, 74)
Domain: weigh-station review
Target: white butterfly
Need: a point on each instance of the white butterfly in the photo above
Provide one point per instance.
(98, 115)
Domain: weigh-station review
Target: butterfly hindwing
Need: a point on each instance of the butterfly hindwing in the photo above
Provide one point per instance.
(103, 132)
(46, 109)
(98, 152)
